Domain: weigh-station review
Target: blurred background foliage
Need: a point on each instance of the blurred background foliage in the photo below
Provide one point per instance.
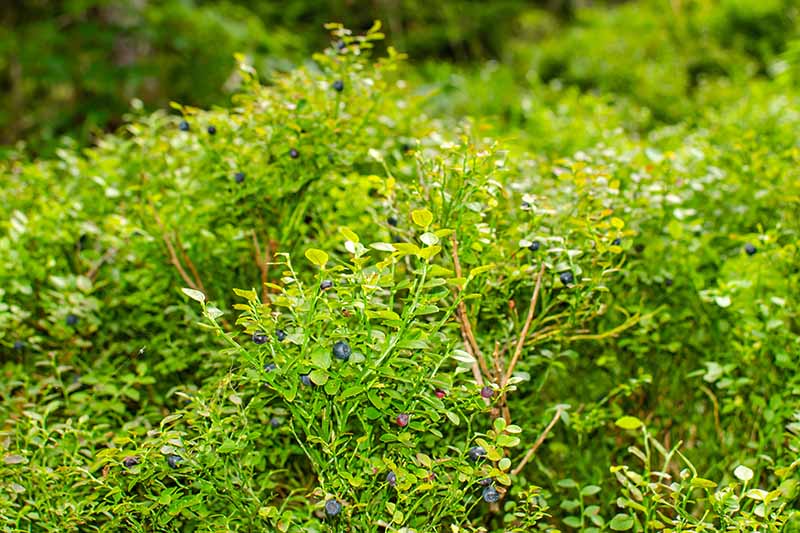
(72, 67)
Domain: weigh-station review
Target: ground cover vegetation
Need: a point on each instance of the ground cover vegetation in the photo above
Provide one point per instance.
(552, 291)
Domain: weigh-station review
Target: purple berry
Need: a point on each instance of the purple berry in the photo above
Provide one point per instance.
(183, 125)
(332, 507)
(338, 86)
(174, 461)
(750, 249)
(269, 367)
(212, 130)
(293, 153)
(476, 452)
(402, 420)
(342, 351)
(130, 461)
(305, 380)
(487, 392)
(325, 285)
(490, 494)
(535, 245)
(566, 278)
(259, 337)
(239, 177)
(391, 479)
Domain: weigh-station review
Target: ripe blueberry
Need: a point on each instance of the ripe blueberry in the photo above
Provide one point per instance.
(280, 335)
(391, 479)
(275, 421)
(566, 278)
(340, 45)
(668, 282)
(332, 507)
(617, 242)
(293, 153)
(71, 319)
(174, 461)
(341, 350)
(440, 393)
(183, 126)
(130, 461)
(749, 249)
(338, 86)
(485, 482)
(476, 452)
(269, 367)
(392, 221)
(19, 345)
(326, 284)
(402, 420)
(535, 245)
(239, 177)
(490, 494)
(305, 380)
(212, 130)
(259, 337)
(487, 392)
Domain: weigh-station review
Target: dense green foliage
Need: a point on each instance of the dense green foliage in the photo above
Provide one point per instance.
(551, 293)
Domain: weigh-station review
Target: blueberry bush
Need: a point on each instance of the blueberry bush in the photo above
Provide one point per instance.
(365, 296)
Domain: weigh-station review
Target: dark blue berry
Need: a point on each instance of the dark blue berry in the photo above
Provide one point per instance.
(485, 482)
(130, 461)
(749, 249)
(269, 367)
(535, 245)
(332, 507)
(668, 282)
(19, 345)
(566, 278)
(338, 86)
(391, 479)
(341, 350)
(174, 461)
(490, 494)
(617, 242)
(212, 130)
(487, 392)
(239, 177)
(402, 420)
(183, 126)
(293, 153)
(326, 284)
(280, 335)
(275, 422)
(71, 320)
(476, 452)
(259, 337)
(305, 380)
(392, 221)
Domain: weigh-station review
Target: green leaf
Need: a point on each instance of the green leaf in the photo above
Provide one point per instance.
(318, 376)
(317, 257)
(621, 522)
(629, 422)
(507, 441)
(321, 358)
(422, 217)
(590, 490)
(197, 296)
(573, 521)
